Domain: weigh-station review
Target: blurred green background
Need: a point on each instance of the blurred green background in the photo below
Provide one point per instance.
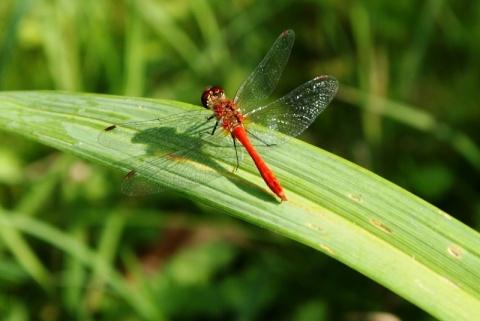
(407, 110)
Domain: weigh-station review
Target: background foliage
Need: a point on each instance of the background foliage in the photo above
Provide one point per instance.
(406, 110)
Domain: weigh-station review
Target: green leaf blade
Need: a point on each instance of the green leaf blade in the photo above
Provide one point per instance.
(351, 214)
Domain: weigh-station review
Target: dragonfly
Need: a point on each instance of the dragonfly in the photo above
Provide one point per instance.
(184, 150)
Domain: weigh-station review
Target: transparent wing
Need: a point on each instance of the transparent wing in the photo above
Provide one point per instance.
(177, 152)
(261, 82)
(157, 133)
(184, 169)
(289, 116)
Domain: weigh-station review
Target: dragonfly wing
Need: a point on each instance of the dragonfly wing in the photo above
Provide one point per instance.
(261, 82)
(289, 116)
(175, 152)
(155, 133)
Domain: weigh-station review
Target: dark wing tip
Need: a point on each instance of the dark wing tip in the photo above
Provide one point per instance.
(109, 128)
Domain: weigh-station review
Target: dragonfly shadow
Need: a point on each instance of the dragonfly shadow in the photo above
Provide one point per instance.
(251, 188)
(176, 160)
(183, 160)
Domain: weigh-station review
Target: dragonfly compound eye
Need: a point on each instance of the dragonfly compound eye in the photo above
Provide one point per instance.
(211, 95)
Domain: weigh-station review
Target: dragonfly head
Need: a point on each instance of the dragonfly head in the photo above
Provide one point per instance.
(211, 95)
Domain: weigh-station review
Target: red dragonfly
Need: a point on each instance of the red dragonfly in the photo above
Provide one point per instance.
(192, 148)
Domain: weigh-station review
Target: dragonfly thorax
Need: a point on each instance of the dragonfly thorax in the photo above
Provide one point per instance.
(225, 111)
(227, 114)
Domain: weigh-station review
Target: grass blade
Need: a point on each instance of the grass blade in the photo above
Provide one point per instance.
(373, 226)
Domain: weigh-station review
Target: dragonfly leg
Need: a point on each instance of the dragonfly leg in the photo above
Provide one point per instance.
(214, 127)
(236, 153)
